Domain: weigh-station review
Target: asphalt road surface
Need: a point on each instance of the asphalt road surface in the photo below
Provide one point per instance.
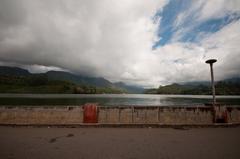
(119, 143)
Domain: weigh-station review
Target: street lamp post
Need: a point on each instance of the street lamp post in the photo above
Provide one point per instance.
(211, 61)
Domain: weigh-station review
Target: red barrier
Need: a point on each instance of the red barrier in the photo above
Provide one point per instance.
(90, 113)
(225, 116)
(220, 114)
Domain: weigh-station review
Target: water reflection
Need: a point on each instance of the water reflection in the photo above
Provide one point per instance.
(112, 99)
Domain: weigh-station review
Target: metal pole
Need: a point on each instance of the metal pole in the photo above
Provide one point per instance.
(211, 61)
(213, 85)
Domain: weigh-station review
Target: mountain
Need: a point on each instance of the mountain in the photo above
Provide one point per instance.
(225, 87)
(233, 80)
(78, 79)
(196, 83)
(63, 76)
(129, 88)
(18, 80)
(57, 75)
(13, 71)
(14, 79)
(93, 81)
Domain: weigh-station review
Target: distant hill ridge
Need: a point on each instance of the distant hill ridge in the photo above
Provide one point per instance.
(226, 87)
(13, 71)
(70, 77)
(78, 79)
(131, 89)
(14, 79)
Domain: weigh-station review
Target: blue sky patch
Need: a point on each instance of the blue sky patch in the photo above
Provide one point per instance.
(168, 16)
(190, 30)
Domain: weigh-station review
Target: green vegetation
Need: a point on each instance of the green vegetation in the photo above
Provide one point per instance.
(17, 80)
(228, 88)
(222, 88)
(40, 83)
(97, 90)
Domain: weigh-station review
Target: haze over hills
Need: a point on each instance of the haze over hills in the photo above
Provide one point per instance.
(76, 83)
(78, 79)
(130, 88)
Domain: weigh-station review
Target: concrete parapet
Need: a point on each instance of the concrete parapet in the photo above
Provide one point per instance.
(41, 115)
(233, 114)
(163, 115)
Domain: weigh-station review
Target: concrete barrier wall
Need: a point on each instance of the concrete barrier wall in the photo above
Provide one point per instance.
(41, 115)
(151, 115)
(114, 115)
(233, 114)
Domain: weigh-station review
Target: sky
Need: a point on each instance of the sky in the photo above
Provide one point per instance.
(141, 42)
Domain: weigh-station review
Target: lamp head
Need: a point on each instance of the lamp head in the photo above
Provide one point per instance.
(211, 61)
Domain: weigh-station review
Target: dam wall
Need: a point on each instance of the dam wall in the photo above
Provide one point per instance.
(73, 115)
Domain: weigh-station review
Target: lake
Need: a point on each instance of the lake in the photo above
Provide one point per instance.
(113, 99)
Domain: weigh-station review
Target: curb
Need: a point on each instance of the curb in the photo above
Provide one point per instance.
(110, 125)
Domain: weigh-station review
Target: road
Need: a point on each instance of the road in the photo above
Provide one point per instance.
(119, 143)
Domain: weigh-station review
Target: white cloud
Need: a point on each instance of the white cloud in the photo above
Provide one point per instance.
(100, 38)
(112, 39)
(201, 11)
(217, 8)
(224, 45)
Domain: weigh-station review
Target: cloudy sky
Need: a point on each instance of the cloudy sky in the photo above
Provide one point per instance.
(144, 42)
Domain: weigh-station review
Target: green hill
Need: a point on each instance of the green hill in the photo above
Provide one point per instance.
(17, 80)
(77, 79)
(13, 71)
(226, 87)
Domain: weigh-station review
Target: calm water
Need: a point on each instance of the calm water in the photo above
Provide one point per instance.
(112, 99)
